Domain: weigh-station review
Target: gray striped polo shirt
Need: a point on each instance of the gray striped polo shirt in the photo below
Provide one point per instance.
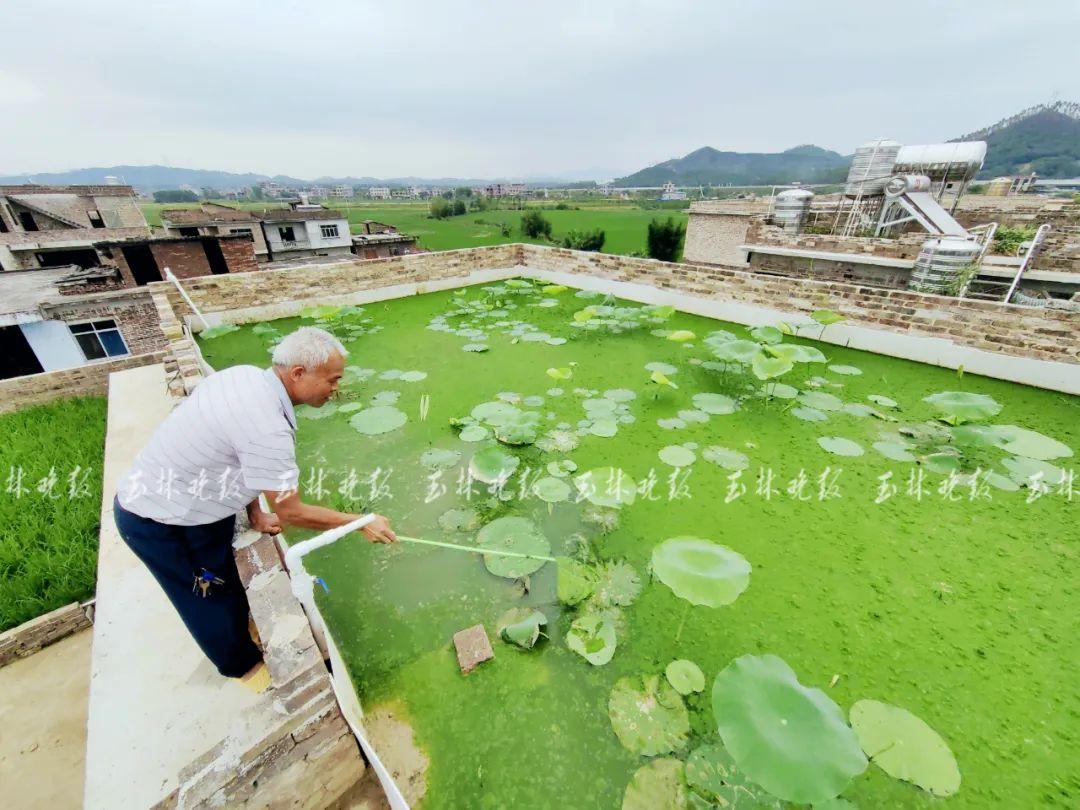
(232, 438)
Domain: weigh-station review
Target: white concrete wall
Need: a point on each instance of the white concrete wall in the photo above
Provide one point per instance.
(53, 344)
(315, 237)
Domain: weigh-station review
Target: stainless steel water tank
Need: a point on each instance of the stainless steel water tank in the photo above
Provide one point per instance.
(940, 264)
(871, 168)
(940, 161)
(906, 184)
(790, 209)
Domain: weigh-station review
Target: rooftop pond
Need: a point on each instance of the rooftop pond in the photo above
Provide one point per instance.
(787, 572)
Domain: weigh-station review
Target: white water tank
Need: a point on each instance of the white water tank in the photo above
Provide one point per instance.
(954, 162)
(871, 168)
(941, 263)
(790, 208)
(906, 184)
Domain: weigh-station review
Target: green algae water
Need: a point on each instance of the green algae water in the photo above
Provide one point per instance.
(902, 559)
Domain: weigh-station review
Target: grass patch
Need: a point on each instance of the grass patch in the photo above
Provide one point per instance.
(51, 510)
(625, 225)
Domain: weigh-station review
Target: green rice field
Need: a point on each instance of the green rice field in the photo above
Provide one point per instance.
(625, 226)
(780, 573)
(50, 507)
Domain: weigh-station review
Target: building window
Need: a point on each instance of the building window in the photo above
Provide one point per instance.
(329, 231)
(95, 219)
(99, 339)
(244, 231)
(286, 233)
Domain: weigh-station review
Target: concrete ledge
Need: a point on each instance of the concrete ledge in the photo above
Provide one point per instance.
(831, 256)
(31, 636)
(80, 381)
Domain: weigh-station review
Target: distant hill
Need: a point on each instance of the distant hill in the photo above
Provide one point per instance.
(1043, 139)
(708, 166)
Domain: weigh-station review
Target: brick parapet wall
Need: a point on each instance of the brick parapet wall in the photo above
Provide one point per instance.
(133, 311)
(89, 380)
(827, 270)
(906, 246)
(1002, 328)
(30, 637)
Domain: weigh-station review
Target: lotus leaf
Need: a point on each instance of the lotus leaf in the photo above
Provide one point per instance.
(1028, 443)
(820, 400)
(599, 407)
(826, 317)
(593, 638)
(607, 486)
(963, 406)
(663, 368)
(657, 785)
(553, 289)
(648, 715)
(620, 395)
(516, 534)
(797, 353)
(551, 490)
(905, 747)
(386, 398)
(700, 571)
(586, 314)
(391, 374)
(677, 455)
(521, 627)
(459, 520)
(781, 391)
(712, 774)
(941, 463)
(604, 428)
(218, 331)
(883, 401)
(692, 415)
(560, 373)
(859, 409)
(1029, 472)
(436, 458)
(672, 423)
(561, 469)
(840, 446)
(474, 433)
(766, 368)
(736, 351)
(617, 585)
(380, 419)
(685, 676)
(521, 428)
(576, 581)
(726, 458)
(557, 441)
(767, 334)
(492, 464)
(790, 739)
(718, 404)
(809, 414)
(494, 413)
(349, 407)
(413, 376)
(894, 451)
(681, 335)
(475, 347)
(850, 371)
(308, 412)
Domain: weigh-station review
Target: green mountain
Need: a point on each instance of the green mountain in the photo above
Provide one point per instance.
(708, 166)
(1043, 139)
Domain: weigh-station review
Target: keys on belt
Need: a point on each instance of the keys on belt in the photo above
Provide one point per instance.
(204, 581)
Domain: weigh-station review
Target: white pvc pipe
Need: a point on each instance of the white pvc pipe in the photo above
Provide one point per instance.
(303, 588)
(170, 277)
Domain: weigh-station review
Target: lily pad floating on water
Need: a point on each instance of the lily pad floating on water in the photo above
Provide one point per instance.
(905, 747)
(716, 404)
(521, 627)
(1029, 472)
(604, 428)
(551, 490)
(767, 334)
(593, 638)
(725, 457)
(377, 420)
(413, 376)
(736, 351)
(475, 347)
(657, 785)
(607, 486)
(308, 412)
(677, 455)
(700, 571)
(685, 676)
(672, 423)
(474, 433)
(437, 458)
(561, 469)
(617, 584)
(797, 353)
(681, 335)
(780, 391)
(808, 414)
(218, 331)
(517, 534)
(963, 406)
(648, 715)
(883, 401)
(839, 446)
(820, 400)
(712, 774)
(560, 373)
(459, 520)
(849, 371)
(894, 451)
(790, 739)
(492, 464)
(1028, 443)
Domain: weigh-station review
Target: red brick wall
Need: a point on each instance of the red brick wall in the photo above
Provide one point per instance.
(239, 255)
(185, 259)
(135, 315)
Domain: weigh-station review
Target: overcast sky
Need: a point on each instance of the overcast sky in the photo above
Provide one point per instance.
(486, 89)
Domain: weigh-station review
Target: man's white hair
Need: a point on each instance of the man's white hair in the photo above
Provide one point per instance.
(308, 346)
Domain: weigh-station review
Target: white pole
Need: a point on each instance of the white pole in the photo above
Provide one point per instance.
(170, 277)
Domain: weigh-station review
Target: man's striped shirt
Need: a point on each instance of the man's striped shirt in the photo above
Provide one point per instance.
(232, 438)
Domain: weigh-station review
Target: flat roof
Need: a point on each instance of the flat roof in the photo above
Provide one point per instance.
(22, 290)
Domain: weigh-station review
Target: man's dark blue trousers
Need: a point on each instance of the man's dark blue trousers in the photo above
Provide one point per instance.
(175, 555)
